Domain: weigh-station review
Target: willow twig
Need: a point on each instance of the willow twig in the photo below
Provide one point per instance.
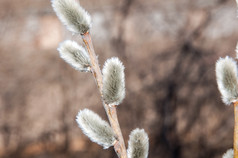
(111, 111)
(235, 143)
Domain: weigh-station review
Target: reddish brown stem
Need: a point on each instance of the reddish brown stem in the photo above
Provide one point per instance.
(235, 142)
(111, 111)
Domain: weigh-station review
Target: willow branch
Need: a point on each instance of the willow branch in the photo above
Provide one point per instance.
(235, 143)
(111, 111)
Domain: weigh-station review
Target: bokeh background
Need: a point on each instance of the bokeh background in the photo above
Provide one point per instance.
(169, 49)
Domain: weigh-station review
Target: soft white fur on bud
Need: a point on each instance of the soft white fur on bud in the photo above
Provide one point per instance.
(226, 74)
(75, 55)
(229, 154)
(138, 144)
(98, 130)
(72, 15)
(113, 81)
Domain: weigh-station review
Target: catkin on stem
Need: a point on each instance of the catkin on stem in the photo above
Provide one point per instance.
(72, 15)
(113, 81)
(229, 154)
(98, 130)
(226, 74)
(75, 55)
(138, 144)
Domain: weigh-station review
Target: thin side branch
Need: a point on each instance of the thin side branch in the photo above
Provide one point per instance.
(111, 111)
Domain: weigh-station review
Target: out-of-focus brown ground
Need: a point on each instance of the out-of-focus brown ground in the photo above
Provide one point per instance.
(169, 49)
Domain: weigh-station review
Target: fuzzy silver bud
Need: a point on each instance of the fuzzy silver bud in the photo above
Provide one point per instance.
(138, 144)
(113, 81)
(72, 15)
(229, 154)
(97, 130)
(226, 74)
(75, 55)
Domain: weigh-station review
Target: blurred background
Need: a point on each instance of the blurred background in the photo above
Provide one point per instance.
(169, 49)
